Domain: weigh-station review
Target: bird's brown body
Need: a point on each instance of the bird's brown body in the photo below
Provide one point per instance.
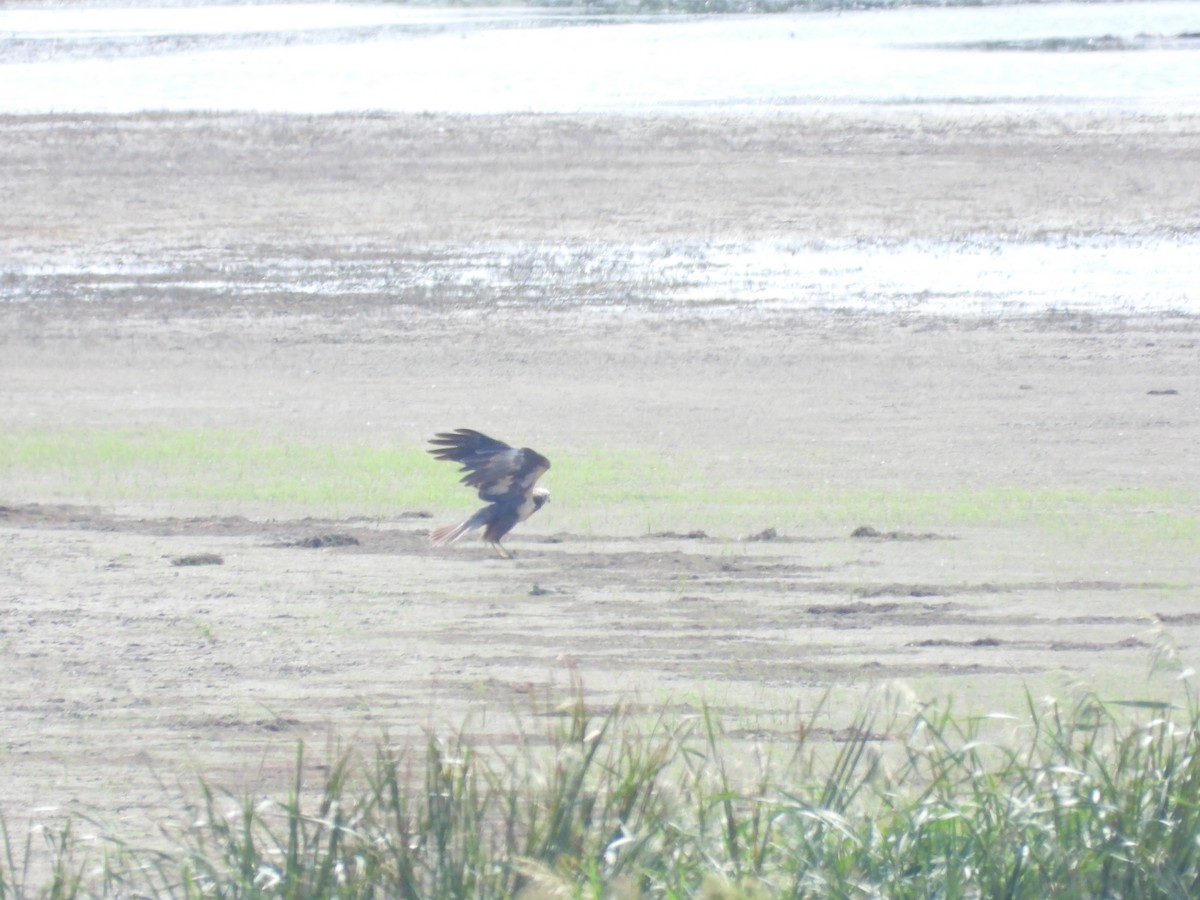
(503, 475)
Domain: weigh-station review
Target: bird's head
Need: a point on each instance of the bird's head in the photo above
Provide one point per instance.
(541, 497)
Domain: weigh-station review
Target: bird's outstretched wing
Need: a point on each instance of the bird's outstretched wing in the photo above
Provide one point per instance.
(495, 469)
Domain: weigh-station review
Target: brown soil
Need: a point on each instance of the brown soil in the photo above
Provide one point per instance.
(142, 643)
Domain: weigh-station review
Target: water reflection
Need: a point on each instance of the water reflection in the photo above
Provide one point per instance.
(319, 58)
(314, 58)
(976, 278)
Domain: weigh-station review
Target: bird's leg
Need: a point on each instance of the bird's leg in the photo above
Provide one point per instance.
(504, 554)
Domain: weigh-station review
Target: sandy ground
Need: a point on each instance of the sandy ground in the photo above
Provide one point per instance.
(124, 674)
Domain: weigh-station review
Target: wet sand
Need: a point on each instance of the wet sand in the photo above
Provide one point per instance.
(213, 181)
(127, 673)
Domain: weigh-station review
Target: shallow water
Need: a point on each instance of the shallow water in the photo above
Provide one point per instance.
(979, 278)
(318, 58)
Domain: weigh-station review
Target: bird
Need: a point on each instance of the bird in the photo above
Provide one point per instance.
(504, 477)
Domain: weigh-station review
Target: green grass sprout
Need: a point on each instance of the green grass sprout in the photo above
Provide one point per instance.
(1082, 798)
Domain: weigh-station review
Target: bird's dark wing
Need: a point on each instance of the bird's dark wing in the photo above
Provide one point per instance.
(495, 469)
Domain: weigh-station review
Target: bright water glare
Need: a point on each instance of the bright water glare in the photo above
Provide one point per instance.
(961, 62)
(320, 58)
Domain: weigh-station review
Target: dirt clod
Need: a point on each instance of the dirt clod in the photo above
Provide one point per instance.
(198, 559)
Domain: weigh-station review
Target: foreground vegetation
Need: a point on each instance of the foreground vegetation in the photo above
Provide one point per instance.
(1081, 799)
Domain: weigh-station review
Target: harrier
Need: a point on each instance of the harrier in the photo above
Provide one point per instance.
(505, 478)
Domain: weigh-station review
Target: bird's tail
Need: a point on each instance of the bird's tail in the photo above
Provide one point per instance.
(448, 534)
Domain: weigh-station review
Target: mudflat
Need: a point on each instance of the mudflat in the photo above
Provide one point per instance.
(1028, 486)
(208, 181)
